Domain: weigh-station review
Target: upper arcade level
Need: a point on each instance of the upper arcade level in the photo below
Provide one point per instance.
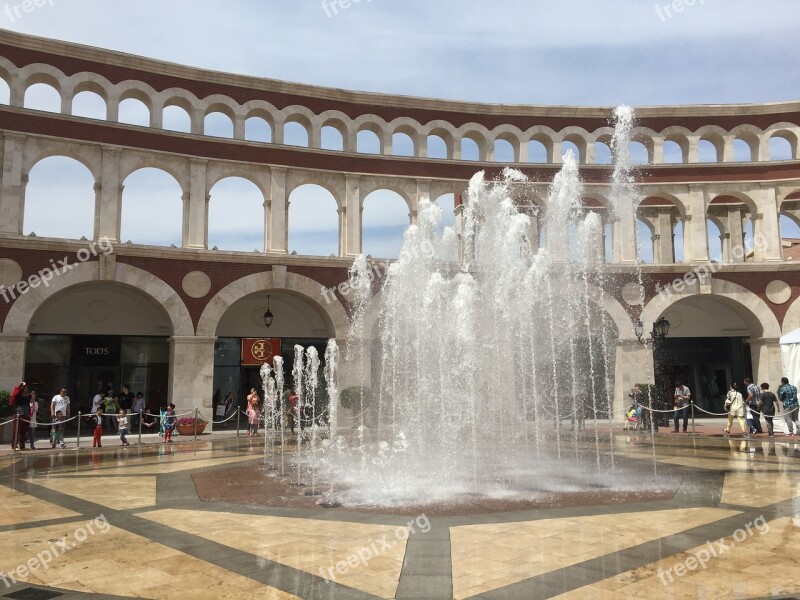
(708, 176)
(71, 79)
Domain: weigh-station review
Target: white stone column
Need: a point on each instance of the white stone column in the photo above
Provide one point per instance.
(663, 246)
(238, 127)
(767, 362)
(633, 364)
(423, 193)
(736, 235)
(195, 208)
(624, 228)
(278, 212)
(12, 194)
(198, 121)
(17, 92)
(352, 206)
(695, 229)
(766, 228)
(658, 150)
(12, 359)
(108, 205)
(191, 373)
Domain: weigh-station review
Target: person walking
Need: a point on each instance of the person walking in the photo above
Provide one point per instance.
(19, 400)
(788, 396)
(734, 404)
(769, 404)
(753, 403)
(682, 398)
(34, 408)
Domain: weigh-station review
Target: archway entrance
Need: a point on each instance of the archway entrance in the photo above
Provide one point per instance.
(98, 336)
(297, 321)
(708, 348)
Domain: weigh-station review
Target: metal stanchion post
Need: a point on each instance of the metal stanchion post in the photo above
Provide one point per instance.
(141, 416)
(195, 422)
(78, 438)
(238, 413)
(691, 407)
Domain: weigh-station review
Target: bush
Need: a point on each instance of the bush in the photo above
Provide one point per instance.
(350, 398)
(5, 408)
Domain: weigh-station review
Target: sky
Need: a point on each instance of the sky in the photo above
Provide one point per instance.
(581, 52)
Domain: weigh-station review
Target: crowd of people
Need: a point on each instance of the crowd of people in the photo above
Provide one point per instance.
(746, 406)
(760, 401)
(114, 412)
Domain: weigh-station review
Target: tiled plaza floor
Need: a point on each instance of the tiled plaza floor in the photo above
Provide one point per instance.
(131, 523)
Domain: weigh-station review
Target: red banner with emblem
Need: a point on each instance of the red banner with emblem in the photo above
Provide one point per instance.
(257, 351)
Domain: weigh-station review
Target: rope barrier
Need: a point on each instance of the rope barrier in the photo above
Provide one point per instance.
(725, 414)
(224, 420)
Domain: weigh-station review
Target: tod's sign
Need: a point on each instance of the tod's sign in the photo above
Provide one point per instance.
(96, 351)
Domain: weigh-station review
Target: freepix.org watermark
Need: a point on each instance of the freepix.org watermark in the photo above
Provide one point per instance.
(711, 550)
(46, 275)
(670, 9)
(332, 7)
(17, 11)
(362, 556)
(702, 272)
(43, 559)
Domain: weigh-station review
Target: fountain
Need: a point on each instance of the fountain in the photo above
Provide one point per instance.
(479, 359)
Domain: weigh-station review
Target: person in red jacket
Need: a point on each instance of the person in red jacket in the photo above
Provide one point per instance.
(22, 415)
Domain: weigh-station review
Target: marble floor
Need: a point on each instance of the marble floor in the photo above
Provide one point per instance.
(145, 522)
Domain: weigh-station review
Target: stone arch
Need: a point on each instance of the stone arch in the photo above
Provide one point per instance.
(36, 150)
(306, 288)
(92, 82)
(175, 166)
(650, 194)
(749, 202)
(216, 172)
(444, 131)
(138, 90)
(263, 109)
(222, 104)
(23, 310)
(41, 73)
(679, 135)
(333, 182)
(407, 189)
(750, 135)
(181, 98)
(787, 131)
(756, 314)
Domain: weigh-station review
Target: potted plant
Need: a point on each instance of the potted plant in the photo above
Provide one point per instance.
(186, 425)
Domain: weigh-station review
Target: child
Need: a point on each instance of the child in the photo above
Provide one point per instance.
(123, 427)
(57, 431)
(32, 428)
(97, 421)
(751, 430)
(169, 423)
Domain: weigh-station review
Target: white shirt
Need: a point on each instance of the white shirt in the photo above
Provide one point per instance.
(60, 403)
(96, 402)
(139, 405)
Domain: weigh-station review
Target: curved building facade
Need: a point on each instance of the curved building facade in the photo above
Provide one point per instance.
(173, 321)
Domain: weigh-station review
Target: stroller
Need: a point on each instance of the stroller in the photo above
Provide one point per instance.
(633, 418)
